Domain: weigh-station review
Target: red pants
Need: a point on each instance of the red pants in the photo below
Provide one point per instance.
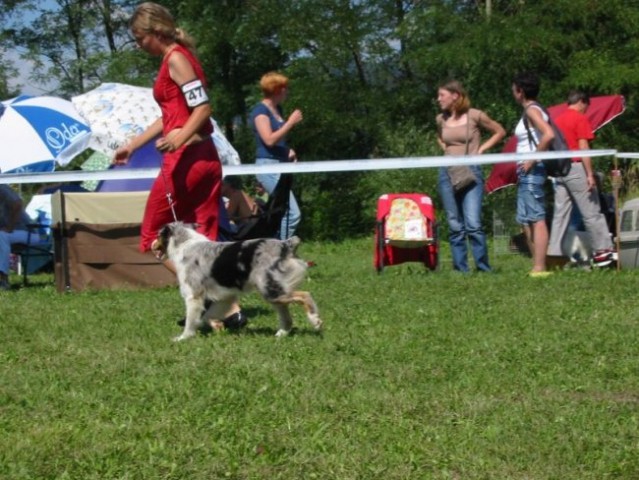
(193, 176)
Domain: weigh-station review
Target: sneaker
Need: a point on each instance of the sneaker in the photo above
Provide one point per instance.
(542, 274)
(235, 321)
(603, 258)
(5, 285)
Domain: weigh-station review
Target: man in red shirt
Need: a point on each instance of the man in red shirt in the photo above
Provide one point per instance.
(579, 186)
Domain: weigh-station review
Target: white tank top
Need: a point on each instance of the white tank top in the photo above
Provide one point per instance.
(523, 143)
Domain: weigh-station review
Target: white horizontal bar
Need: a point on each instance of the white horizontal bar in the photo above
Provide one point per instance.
(627, 155)
(305, 167)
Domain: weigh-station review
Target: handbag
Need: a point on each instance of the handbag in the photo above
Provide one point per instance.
(462, 176)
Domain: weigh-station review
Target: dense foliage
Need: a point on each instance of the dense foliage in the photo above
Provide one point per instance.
(365, 73)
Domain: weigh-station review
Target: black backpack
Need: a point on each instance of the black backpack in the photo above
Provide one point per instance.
(559, 167)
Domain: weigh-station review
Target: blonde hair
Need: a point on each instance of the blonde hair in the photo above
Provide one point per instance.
(462, 104)
(273, 83)
(150, 17)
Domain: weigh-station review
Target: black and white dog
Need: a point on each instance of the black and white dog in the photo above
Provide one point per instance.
(218, 272)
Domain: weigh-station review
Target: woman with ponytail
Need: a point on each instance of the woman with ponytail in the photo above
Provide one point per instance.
(189, 183)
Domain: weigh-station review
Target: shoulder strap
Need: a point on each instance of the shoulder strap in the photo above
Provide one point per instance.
(557, 131)
(467, 130)
(524, 117)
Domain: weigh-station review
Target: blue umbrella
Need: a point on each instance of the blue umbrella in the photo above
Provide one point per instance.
(38, 132)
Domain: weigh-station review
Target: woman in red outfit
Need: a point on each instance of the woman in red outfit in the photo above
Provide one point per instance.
(191, 170)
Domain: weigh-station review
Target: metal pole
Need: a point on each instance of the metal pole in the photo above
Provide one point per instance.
(616, 182)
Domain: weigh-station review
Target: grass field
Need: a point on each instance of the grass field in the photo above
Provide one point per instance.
(417, 375)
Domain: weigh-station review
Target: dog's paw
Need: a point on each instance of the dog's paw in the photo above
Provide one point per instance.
(282, 333)
(182, 337)
(316, 321)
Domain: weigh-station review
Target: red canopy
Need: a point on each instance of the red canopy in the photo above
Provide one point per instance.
(601, 111)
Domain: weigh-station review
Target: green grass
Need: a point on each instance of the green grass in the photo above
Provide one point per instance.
(418, 375)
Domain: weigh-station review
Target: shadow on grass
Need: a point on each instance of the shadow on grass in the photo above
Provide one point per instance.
(250, 331)
(34, 281)
(269, 312)
(252, 312)
(268, 331)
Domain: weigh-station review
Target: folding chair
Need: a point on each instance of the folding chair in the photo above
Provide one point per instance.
(41, 251)
(406, 231)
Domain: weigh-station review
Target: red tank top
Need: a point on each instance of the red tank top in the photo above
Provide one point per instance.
(168, 94)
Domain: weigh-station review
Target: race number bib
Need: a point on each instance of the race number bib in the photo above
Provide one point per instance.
(194, 93)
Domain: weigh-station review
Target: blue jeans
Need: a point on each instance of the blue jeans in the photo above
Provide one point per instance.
(530, 195)
(293, 215)
(463, 212)
(6, 240)
(530, 204)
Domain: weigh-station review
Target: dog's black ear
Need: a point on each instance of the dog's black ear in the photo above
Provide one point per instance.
(165, 231)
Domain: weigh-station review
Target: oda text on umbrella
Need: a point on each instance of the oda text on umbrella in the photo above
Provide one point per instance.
(59, 137)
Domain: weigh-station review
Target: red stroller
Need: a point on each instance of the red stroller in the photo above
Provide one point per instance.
(406, 230)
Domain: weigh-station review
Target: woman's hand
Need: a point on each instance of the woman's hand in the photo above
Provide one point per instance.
(121, 155)
(295, 117)
(174, 140)
(170, 143)
(528, 165)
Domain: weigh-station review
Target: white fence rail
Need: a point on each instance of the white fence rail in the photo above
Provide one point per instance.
(305, 167)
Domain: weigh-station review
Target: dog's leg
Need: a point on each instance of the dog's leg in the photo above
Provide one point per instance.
(301, 297)
(286, 322)
(312, 312)
(194, 311)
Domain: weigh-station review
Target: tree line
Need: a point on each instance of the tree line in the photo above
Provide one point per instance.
(364, 72)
